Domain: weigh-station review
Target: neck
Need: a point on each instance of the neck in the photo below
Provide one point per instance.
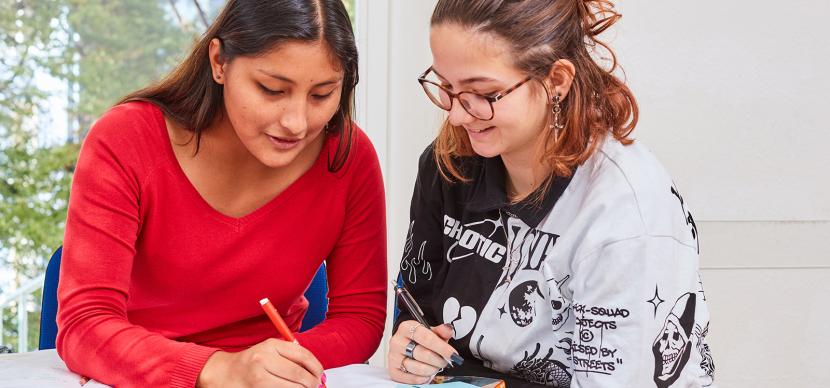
(524, 173)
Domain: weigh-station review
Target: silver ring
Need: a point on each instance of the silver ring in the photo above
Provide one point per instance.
(410, 349)
(402, 368)
(412, 331)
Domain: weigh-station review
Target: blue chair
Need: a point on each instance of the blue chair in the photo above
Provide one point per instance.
(318, 302)
(49, 304)
(316, 294)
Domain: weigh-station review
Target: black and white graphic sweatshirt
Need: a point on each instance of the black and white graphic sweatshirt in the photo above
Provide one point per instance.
(597, 286)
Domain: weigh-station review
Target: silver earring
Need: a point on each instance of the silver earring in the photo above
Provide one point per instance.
(556, 124)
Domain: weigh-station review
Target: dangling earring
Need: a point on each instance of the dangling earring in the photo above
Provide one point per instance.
(556, 124)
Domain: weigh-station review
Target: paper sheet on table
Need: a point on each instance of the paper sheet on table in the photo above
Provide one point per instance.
(42, 369)
(38, 369)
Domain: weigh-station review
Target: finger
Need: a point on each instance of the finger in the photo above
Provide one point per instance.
(433, 342)
(289, 371)
(426, 356)
(419, 368)
(445, 331)
(403, 377)
(301, 356)
(397, 346)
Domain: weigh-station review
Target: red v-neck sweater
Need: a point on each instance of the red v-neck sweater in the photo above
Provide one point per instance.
(154, 280)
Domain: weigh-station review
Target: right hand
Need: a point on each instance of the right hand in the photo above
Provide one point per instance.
(270, 363)
(431, 355)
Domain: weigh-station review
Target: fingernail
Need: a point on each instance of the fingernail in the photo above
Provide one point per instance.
(456, 359)
(323, 378)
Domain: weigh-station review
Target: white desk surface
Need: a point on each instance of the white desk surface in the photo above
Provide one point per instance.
(45, 369)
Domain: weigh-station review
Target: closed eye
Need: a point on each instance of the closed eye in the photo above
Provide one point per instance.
(322, 96)
(269, 91)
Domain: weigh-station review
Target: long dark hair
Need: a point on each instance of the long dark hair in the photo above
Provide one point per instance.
(190, 97)
(540, 32)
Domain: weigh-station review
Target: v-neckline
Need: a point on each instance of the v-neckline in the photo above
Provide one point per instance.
(265, 208)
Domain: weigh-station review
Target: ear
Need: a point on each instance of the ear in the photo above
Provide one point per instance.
(560, 78)
(217, 61)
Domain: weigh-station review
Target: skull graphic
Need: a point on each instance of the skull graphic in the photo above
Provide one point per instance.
(672, 346)
(560, 306)
(523, 301)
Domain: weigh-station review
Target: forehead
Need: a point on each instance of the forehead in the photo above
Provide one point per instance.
(298, 60)
(459, 53)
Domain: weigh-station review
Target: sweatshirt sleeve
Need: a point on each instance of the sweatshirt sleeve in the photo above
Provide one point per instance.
(95, 337)
(640, 315)
(422, 259)
(356, 270)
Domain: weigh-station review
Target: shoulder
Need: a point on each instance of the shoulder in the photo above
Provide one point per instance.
(128, 119)
(361, 145)
(636, 193)
(133, 128)
(133, 133)
(361, 165)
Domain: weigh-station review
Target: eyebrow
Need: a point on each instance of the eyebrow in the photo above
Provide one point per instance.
(289, 80)
(468, 81)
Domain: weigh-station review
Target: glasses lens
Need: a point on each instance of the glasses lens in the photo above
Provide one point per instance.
(437, 95)
(476, 105)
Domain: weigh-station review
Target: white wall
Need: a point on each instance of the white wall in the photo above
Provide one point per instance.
(733, 96)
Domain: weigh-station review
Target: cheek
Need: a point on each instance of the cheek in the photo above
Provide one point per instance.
(320, 113)
(522, 119)
(246, 108)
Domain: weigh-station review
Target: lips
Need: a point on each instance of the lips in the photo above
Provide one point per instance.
(479, 135)
(283, 142)
(478, 130)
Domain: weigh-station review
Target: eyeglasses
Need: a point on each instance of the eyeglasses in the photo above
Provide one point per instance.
(477, 105)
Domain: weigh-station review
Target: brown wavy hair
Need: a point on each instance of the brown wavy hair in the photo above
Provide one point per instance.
(190, 97)
(540, 32)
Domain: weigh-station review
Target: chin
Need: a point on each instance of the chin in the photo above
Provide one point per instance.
(276, 159)
(486, 150)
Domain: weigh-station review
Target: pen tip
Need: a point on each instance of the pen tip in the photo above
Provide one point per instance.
(264, 301)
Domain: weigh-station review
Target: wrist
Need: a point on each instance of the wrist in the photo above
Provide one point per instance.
(213, 369)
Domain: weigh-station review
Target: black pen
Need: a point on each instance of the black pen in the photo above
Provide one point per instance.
(411, 305)
(418, 314)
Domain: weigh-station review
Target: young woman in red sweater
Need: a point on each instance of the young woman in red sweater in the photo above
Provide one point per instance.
(229, 181)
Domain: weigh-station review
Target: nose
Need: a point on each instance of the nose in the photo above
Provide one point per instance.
(458, 116)
(294, 117)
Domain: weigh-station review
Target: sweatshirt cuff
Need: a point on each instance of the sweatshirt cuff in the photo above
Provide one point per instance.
(190, 364)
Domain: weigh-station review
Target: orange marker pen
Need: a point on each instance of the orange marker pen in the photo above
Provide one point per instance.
(282, 328)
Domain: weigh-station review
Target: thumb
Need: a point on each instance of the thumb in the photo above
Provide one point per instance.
(445, 331)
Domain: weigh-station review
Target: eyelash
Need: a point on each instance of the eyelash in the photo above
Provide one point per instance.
(279, 92)
(269, 91)
(321, 96)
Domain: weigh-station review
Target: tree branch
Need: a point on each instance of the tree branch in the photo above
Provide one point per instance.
(201, 13)
(176, 12)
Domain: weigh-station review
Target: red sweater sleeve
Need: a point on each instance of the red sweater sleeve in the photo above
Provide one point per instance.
(356, 269)
(95, 337)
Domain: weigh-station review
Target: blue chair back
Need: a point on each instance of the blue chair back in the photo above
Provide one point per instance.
(316, 294)
(49, 304)
(318, 301)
